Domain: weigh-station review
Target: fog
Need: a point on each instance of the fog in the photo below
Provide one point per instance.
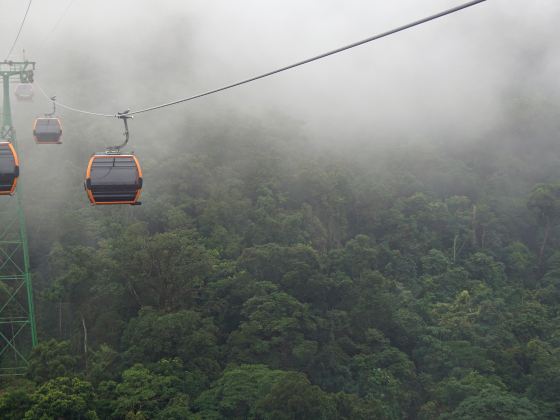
(443, 77)
(378, 230)
(449, 81)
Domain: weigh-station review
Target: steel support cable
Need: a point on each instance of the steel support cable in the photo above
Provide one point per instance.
(318, 57)
(70, 108)
(61, 17)
(49, 98)
(291, 66)
(19, 31)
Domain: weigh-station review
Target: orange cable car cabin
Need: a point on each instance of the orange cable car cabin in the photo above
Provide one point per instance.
(47, 130)
(113, 179)
(9, 168)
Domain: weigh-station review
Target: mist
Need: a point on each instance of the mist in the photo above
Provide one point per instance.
(372, 235)
(449, 76)
(449, 82)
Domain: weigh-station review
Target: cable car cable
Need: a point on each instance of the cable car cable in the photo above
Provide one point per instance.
(96, 114)
(285, 68)
(54, 28)
(19, 31)
(318, 57)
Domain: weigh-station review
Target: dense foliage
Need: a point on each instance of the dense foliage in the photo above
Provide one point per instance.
(266, 278)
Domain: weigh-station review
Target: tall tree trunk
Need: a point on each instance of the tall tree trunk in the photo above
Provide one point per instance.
(60, 319)
(85, 341)
(545, 240)
(473, 226)
(136, 297)
(455, 248)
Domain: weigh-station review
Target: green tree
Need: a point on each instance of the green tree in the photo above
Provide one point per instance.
(68, 398)
(493, 405)
(185, 334)
(167, 271)
(293, 397)
(236, 392)
(51, 359)
(103, 364)
(277, 331)
(146, 393)
(16, 399)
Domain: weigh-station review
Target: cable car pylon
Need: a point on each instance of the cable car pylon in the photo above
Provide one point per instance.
(18, 330)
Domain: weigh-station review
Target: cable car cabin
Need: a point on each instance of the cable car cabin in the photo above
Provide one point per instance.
(113, 179)
(47, 131)
(24, 91)
(9, 168)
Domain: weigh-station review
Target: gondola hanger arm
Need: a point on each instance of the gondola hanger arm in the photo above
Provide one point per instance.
(124, 116)
(53, 113)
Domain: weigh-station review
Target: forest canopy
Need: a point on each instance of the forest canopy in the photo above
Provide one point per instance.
(267, 277)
